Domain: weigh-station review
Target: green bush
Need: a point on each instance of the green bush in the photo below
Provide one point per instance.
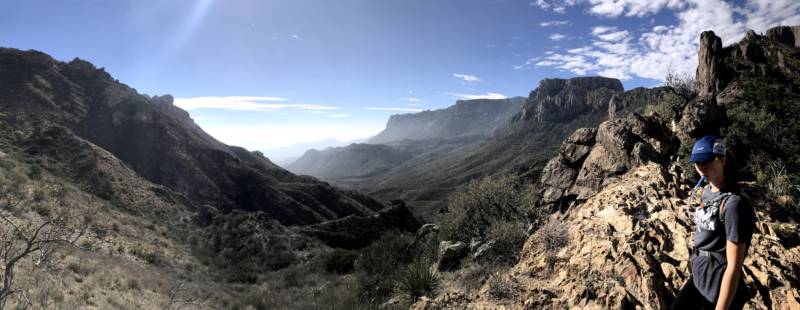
(339, 261)
(150, 257)
(419, 278)
(509, 237)
(471, 212)
(378, 264)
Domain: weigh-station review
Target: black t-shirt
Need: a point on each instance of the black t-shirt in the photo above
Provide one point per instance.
(712, 234)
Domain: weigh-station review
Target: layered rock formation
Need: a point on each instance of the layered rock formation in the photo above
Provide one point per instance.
(557, 100)
(414, 135)
(479, 117)
(521, 146)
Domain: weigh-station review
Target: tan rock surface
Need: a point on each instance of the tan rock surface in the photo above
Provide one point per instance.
(629, 248)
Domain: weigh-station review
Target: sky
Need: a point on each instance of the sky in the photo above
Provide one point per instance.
(266, 74)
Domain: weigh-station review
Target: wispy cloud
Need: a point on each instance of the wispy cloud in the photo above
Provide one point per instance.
(557, 37)
(411, 99)
(478, 96)
(295, 37)
(467, 77)
(650, 53)
(339, 115)
(554, 23)
(397, 109)
(558, 6)
(244, 103)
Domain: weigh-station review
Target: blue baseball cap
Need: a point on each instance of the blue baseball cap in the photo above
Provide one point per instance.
(706, 148)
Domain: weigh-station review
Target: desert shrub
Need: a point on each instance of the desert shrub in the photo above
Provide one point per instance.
(781, 189)
(7, 164)
(552, 236)
(502, 287)
(509, 237)
(378, 264)
(419, 278)
(472, 277)
(152, 257)
(471, 212)
(133, 284)
(339, 261)
(35, 172)
(243, 245)
(681, 84)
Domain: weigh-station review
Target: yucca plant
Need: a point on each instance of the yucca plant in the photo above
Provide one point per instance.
(419, 278)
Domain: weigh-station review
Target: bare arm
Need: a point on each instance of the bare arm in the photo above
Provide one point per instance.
(730, 279)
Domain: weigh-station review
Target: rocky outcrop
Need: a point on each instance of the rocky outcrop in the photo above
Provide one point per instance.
(747, 84)
(591, 159)
(628, 247)
(559, 99)
(450, 255)
(710, 77)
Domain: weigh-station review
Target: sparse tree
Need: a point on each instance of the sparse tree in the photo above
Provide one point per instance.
(182, 297)
(32, 228)
(682, 84)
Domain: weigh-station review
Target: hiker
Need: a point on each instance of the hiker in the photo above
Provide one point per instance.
(724, 221)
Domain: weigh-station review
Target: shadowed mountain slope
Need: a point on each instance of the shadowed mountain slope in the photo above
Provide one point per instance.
(42, 97)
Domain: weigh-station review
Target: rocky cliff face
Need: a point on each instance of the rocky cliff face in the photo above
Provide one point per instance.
(478, 117)
(521, 146)
(558, 100)
(155, 139)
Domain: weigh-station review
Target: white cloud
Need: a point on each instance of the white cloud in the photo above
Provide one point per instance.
(479, 96)
(295, 37)
(650, 53)
(614, 36)
(558, 6)
(554, 23)
(339, 115)
(244, 103)
(467, 77)
(411, 99)
(602, 29)
(557, 37)
(397, 109)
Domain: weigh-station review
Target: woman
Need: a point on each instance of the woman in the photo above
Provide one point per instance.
(725, 222)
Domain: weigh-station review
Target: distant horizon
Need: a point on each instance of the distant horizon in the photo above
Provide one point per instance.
(267, 75)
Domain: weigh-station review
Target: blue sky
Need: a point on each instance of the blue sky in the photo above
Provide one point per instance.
(266, 74)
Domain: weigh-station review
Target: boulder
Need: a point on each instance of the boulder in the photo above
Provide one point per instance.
(450, 254)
